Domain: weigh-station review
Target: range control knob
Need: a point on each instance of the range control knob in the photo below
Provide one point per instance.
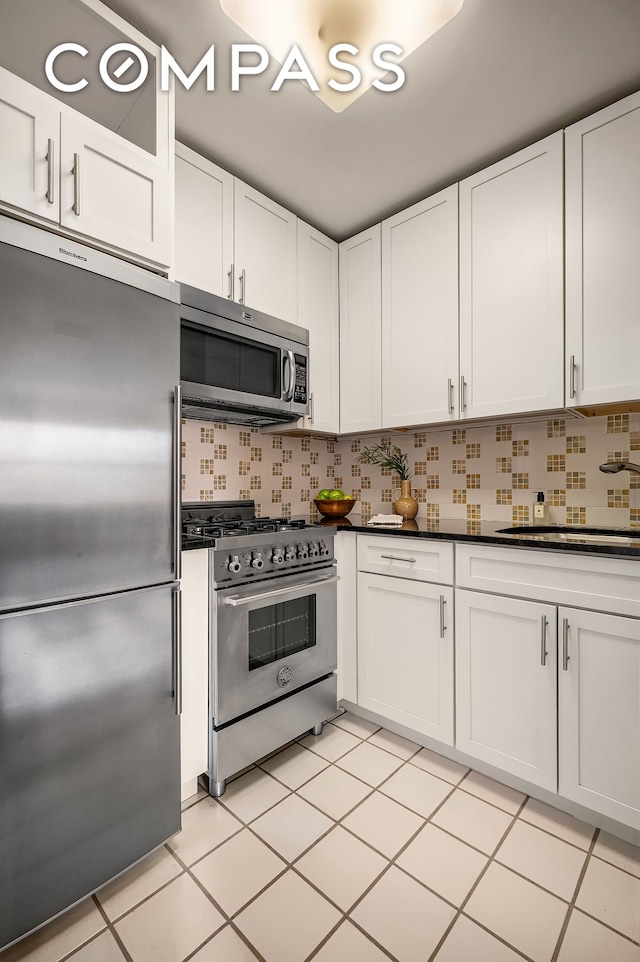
(233, 564)
(324, 549)
(314, 550)
(277, 556)
(256, 560)
(303, 552)
(289, 552)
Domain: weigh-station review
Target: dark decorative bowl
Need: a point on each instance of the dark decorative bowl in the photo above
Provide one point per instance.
(334, 507)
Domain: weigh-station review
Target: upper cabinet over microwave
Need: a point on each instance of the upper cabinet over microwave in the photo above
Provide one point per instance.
(238, 365)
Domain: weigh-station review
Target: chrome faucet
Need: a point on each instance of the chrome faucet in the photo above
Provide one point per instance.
(612, 467)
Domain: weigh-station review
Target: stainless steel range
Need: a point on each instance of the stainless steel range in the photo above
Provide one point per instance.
(272, 630)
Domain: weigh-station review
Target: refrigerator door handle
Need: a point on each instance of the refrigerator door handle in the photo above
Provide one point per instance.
(177, 649)
(177, 481)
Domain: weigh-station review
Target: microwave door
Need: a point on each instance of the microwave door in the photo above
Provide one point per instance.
(234, 365)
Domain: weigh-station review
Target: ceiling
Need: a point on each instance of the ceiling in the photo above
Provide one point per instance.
(500, 75)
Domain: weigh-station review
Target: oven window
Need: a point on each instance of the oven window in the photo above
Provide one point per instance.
(277, 631)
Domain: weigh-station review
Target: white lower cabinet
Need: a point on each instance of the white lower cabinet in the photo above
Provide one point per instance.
(405, 652)
(194, 721)
(599, 713)
(506, 684)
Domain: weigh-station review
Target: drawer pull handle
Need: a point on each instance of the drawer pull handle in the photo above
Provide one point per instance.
(450, 396)
(393, 557)
(443, 627)
(230, 275)
(543, 641)
(565, 644)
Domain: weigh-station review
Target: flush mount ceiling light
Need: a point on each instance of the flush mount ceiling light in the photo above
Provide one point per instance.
(315, 26)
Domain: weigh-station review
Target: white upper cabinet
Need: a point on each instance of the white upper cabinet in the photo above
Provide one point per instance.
(265, 254)
(233, 241)
(603, 239)
(111, 193)
(96, 163)
(29, 165)
(360, 332)
(318, 312)
(511, 284)
(203, 224)
(420, 312)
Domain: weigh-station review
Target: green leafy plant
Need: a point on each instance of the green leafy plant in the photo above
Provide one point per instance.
(387, 456)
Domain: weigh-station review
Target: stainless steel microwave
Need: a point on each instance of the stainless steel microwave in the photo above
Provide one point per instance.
(239, 365)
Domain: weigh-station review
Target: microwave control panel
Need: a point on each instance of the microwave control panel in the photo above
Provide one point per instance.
(300, 394)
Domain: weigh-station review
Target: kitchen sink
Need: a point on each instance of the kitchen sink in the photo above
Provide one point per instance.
(588, 535)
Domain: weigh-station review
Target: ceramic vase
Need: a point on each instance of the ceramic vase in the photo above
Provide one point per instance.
(405, 505)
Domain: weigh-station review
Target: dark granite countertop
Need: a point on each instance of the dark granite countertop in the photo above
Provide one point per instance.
(482, 532)
(487, 532)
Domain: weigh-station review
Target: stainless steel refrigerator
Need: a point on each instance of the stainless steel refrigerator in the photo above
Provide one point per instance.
(89, 558)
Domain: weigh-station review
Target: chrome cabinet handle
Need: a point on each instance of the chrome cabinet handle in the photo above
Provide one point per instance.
(51, 156)
(443, 627)
(463, 393)
(291, 361)
(393, 557)
(235, 601)
(450, 395)
(75, 170)
(177, 480)
(572, 376)
(230, 276)
(565, 644)
(311, 409)
(243, 287)
(177, 650)
(543, 641)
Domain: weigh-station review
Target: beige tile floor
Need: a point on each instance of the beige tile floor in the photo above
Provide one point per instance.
(359, 846)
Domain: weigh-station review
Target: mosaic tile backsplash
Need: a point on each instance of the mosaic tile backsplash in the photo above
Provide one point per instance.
(484, 473)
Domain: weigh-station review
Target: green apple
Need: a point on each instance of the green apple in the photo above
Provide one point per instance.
(336, 495)
(323, 495)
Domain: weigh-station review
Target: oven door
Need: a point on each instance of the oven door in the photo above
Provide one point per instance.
(270, 639)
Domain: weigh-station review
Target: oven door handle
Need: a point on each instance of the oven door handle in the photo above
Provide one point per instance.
(235, 600)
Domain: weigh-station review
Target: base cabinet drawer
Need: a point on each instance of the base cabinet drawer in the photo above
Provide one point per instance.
(558, 577)
(419, 559)
(405, 653)
(506, 684)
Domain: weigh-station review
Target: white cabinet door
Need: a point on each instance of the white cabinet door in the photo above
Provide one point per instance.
(203, 254)
(345, 553)
(420, 312)
(266, 254)
(599, 713)
(506, 684)
(318, 312)
(511, 284)
(113, 191)
(603, 238)
(405, 653)
(194, 721)
(360, 332)
(29, 148)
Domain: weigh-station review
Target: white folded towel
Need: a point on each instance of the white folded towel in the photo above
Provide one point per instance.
(391, 519)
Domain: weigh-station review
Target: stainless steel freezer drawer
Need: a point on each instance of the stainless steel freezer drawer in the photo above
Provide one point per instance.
(89, 748)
